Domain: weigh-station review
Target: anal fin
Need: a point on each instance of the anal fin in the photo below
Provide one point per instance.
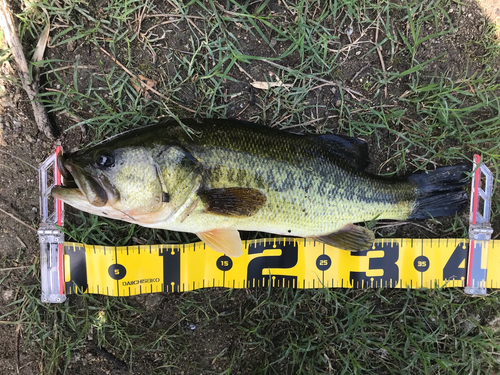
(349, 237)
(227, 241)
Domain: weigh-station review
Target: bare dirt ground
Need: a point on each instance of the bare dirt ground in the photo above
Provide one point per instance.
(23, 148)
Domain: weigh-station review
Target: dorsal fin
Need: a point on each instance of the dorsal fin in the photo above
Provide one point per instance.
(353, 150)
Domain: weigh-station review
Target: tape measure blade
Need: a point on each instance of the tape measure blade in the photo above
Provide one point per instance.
(402, 263)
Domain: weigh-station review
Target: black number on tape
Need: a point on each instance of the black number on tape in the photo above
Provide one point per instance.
(224, 263)
(387, 263)
(421, 263)
(452, 270)
(323, 262)
(256, 276)
(117, 271)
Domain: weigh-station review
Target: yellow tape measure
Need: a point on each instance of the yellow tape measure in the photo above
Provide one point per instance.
(290, 262)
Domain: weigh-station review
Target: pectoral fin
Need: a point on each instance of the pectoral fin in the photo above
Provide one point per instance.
(232, 201)
(350, 237)
(225, 241)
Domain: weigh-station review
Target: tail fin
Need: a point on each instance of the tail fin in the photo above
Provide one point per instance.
(440, 192)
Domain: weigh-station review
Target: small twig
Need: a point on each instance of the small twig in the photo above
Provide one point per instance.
(23, 245)
(140, 241)
(310, 122)
(31, 88)
(379, 51)
(359, 72)
(174, 15)
(159, 24)
(243, 110)
(18, 334)
(55, 90)
(173, 5)
(418, 157)
(307, 123)
(283, 119)
(143, 84)
(16, 219)
(14, 268)
(349, 46)
(70, 67)
(319, 86)
(191, 22)
(25, 365)
(139, 20)
(244, 71)
(386, 162)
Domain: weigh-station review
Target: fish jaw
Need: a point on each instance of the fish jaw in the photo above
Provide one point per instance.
(74, 197)
(89, 187)
(73, 170)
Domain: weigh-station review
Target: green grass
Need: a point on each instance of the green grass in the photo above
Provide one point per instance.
(272, 331)
(437, 111)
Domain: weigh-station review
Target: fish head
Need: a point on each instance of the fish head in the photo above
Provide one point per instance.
(118, 182)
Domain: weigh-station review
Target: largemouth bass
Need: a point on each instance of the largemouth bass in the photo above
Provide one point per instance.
(220, 176)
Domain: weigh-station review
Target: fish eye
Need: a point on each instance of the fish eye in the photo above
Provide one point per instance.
(105, 160)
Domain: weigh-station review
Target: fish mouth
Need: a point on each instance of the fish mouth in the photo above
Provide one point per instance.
(78, 185)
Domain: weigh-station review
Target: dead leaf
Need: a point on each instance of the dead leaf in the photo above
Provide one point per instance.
(267, 85)
(143, 84)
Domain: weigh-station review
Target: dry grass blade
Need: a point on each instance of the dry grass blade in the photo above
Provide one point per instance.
(18, 158)
(42, 42)
(331, 83)
(13, 268)
(18, 335)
